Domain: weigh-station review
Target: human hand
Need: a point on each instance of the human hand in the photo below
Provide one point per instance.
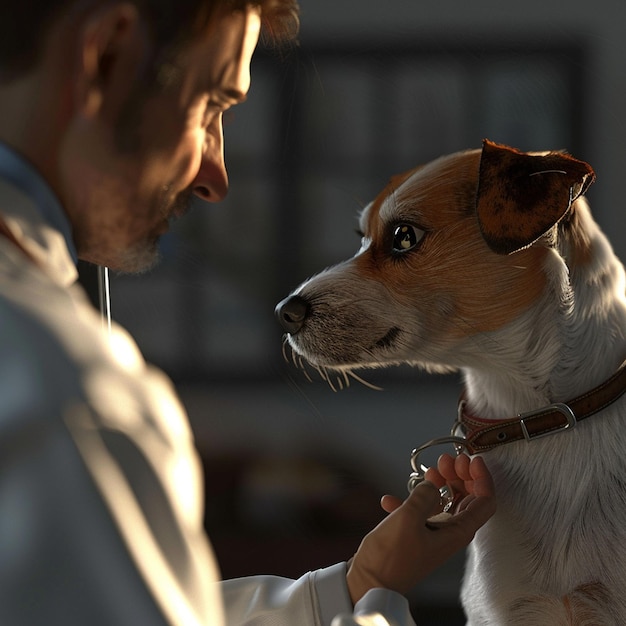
(408, 545)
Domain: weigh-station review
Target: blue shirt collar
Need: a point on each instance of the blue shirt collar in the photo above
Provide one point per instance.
(23, 175)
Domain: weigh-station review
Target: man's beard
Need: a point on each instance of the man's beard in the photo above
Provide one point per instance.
(179, 206)
(145, 254)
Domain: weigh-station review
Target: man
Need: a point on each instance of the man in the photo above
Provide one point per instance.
(110, 118)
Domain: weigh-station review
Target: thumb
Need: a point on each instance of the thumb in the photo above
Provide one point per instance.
(424, 501)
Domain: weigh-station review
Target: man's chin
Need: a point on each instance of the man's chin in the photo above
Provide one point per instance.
(138, 259)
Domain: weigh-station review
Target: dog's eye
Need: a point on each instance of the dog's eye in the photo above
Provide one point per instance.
(406, 237)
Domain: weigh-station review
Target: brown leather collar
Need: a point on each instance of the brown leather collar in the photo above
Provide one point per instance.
(482, 434)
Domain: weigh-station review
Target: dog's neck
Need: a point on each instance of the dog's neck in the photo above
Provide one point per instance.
(568, 342)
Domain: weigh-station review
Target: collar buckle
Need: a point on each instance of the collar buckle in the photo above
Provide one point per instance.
(559, 407)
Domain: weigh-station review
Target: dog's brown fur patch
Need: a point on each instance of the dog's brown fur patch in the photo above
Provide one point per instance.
(453, 262)
(521, 196)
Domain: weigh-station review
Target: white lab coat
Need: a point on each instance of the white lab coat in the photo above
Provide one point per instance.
(100, 484)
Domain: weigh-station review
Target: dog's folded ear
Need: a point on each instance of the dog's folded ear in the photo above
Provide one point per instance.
(521, 196)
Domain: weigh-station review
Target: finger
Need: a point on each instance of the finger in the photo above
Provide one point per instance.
(462, 467)
(477, 481)
(447, 467)
(434, 476)
(480, 503)
(483, 482)
(390, 503)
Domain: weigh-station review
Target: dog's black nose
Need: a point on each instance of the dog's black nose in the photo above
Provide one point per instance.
(291, 313)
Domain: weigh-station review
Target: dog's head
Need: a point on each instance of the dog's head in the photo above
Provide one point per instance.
(451, 249)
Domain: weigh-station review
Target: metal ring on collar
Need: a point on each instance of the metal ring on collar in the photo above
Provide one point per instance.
(419, 470)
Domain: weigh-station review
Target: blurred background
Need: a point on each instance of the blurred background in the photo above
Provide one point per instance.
(294, 470)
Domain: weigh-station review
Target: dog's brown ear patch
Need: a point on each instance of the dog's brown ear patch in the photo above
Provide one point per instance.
(521, 196)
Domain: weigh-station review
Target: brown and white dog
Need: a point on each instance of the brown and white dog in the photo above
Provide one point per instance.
(489, 262)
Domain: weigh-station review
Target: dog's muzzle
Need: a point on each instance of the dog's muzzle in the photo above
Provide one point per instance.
(291, 313)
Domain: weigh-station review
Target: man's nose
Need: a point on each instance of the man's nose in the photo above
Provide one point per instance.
(211, 182)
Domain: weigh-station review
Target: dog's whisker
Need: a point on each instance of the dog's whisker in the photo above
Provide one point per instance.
(294, 359)
(330, 384)
(326, 377)
(339, 382)
(303, 366)
(323, 372)
(548, 172)
(363, 381)
(346, 379)
(320, 372)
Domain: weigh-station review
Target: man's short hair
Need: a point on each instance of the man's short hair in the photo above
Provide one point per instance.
(24, 24)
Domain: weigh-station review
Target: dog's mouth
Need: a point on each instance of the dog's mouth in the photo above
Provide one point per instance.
(346, 353)
(336, 361)
(389, 339)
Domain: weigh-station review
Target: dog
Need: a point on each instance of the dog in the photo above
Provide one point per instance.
(489, 262)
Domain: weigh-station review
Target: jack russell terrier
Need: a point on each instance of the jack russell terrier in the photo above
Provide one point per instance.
(489, 262)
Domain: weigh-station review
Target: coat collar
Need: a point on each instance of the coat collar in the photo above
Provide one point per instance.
(35, 218)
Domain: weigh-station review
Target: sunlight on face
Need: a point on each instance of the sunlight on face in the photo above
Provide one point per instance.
(128, 195)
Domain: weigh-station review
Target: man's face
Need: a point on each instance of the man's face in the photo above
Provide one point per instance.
(120, 197)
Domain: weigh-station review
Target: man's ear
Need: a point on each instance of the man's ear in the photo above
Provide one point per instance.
(112, 48)
(521, 196)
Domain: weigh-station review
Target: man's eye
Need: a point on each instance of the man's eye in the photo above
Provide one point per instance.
(406, 237)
